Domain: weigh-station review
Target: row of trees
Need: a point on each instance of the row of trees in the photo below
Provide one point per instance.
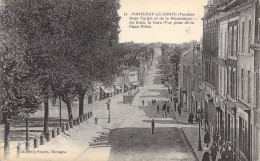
(54, 48)
(173, 51)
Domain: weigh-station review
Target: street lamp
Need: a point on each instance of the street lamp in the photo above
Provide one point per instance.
(108, 108)
(60, 110)
(199, 141)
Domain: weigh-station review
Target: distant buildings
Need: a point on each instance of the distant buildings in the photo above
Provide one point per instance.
(190, 73)
(131, 76)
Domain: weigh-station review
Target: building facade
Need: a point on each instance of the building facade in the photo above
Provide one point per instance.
(190, 75)
(231, 74)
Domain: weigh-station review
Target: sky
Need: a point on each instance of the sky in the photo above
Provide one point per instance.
(161, 33)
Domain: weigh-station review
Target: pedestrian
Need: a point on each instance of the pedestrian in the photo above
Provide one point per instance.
(230, 154)
(206, 151)
(164, 106)
(207, 138)
(96, 120)
(165, 113)
(158, 108)
(213, 151)
(215, 137)
(179, 109)
(155, 101)
(168, 109)
(143, 102)
(223, 155)
(153, 125)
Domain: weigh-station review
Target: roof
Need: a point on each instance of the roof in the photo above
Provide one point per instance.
(196, 96)
(229, 103)
(107, 89)
(128, 85)
(242, 106)
(135, 83)
(117, 87)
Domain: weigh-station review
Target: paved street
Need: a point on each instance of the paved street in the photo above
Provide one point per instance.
(133, 140)
(128, 136)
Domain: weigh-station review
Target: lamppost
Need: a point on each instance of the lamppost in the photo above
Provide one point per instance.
(60, 110)
(199, 141)
(108, 108)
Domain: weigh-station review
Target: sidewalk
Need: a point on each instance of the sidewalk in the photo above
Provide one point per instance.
(70, 144)
(73, 138)
(192, 132)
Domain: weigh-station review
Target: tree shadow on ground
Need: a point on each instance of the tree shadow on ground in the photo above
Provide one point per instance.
(161, 121)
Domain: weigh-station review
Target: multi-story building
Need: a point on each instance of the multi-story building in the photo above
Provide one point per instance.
(231, 49)
(190, 76)
(208, 87)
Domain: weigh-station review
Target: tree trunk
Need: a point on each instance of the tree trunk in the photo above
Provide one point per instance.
(81, 105)
(81, 102)
(46, 114)
(67, 102)
(7, 135)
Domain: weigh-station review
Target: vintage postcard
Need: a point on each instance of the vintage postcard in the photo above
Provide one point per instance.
(129, 80)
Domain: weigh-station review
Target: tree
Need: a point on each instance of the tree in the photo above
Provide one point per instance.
(63, 46)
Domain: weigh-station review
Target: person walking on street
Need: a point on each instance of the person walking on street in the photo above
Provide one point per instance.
(206, 151)
(207, 138)
(153, 125)
(179, 109)
(155, 101)
(143, 103)
(168, 109)
(213, 151)
(165, 114)
(158, 108)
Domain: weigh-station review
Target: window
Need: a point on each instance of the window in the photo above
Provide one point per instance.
(242, 84)
(234, 41)
(243, 37)
(225, 42)
(220, 80)
(225, 81)
(229, 40)
(249, 35)
(221, 43)
(235, 83)
(248, 86)
(229, 80)
(232, 38)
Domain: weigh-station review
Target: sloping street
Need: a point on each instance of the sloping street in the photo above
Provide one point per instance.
(132, 139)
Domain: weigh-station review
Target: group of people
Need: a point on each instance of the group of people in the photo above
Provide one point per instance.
(153, 102)
(165, 109)
(226, 151)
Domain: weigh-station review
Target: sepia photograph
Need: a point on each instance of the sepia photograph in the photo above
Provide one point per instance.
(129, 80)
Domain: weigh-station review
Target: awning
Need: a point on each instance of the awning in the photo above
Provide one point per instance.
(183, 89)
(128, 85)
(135, 83)
(111, 89)
(229, 104)
(105, 89)
(201, 87)
(208, 97)
(118, 87)
(196, 96)
(242, 106)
